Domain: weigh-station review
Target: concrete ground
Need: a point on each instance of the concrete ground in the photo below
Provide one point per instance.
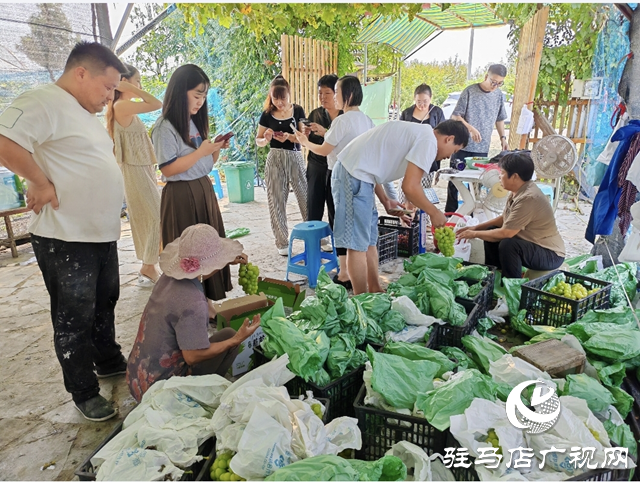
(42, 436)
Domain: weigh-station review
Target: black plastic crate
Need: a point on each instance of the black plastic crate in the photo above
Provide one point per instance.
(340, 392)
(408, 238)
(387, 245)
(198, 471)
(447, 335)
(485, 297)
(545, 308)
(382, 429)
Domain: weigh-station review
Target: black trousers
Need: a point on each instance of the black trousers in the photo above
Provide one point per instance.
(511, 254)
(319, 193)
(452, 192)
(84, 285)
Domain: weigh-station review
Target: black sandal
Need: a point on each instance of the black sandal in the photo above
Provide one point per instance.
(346, 284)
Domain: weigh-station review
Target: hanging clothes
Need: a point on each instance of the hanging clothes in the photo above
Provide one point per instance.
(629, 190)
(605, 204)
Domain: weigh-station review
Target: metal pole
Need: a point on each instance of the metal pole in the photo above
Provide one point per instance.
(397, 113)
(142, 32)
(470, 55)
(364, 72)
(123, 22)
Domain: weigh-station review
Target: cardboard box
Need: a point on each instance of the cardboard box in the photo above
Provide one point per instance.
(290, 293)
(232, 313)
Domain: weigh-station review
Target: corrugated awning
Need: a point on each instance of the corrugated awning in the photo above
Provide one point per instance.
(405, 36)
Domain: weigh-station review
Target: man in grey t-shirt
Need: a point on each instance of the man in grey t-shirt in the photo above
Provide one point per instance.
(480, 107)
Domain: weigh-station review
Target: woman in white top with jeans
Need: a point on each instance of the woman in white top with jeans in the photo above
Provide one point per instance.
(344, 129)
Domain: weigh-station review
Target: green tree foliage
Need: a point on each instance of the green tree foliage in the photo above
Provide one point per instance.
(162, 49)
(569, 45)
(442, 77)
(50, 40)
(335, 22)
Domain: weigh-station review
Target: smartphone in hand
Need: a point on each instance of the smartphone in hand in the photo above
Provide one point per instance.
(223, 137)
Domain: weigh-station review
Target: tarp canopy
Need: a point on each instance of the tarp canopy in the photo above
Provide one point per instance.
(405, 36)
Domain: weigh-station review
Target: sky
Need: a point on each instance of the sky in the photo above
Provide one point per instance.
(490, 43)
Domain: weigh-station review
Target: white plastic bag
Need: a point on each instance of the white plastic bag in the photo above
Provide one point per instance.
(139, 464)
(204, 389)
(409, 334)
(273, 374)
(342, 434)
(500, 311)
(416, 460)
(411, 313)
(526, 122)
(180, 446)
(240, 405)
(572, 429)
(462, 250)
(172, 402)
(229, 437)
(265, 446)
(609, 150)
(475, 423)
(512, 370)
(631, 250)
(309, 437)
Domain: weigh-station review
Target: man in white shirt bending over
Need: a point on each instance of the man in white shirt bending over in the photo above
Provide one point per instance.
(52, 137)
(384, 154)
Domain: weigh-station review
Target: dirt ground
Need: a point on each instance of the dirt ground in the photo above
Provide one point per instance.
(42, 436)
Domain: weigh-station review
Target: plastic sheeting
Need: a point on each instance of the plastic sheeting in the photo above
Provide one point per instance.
(608, 63)
(376, 100)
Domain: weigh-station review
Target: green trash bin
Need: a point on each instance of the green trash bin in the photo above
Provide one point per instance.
(240, 176)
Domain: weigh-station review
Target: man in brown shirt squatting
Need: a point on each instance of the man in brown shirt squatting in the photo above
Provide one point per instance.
(526, 234)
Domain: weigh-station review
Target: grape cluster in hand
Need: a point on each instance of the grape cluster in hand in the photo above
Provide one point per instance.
(249, 278)
(445, 238)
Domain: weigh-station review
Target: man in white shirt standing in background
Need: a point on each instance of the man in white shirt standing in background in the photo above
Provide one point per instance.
(52, 137)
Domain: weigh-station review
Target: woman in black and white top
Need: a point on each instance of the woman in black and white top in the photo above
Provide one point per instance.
(423, 112)
(285, 164)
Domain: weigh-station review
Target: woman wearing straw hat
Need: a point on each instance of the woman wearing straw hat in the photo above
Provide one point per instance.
(172, 338)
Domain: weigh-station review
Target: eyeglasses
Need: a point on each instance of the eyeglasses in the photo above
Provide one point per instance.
(422, 103)
(495, 83)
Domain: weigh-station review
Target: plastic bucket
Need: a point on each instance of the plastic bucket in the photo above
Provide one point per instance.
(240, 176)
(9, 198)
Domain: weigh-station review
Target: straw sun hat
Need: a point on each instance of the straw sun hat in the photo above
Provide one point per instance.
(198, 251)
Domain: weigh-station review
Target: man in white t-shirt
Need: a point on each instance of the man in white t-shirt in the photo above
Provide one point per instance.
(52, 137)
(384, 154)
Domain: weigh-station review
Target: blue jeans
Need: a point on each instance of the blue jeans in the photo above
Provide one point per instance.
(356, 218)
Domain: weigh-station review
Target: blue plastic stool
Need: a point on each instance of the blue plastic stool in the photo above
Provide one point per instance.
(217, 186)
(546, 190)
(311, 232)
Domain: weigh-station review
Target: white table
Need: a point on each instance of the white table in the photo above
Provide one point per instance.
(469, 196)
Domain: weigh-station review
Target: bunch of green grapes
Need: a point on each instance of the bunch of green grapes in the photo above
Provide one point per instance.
(221, 470)
(317, 409)
(445, 238)
(574, 292)
(492, 438)
(249, 278)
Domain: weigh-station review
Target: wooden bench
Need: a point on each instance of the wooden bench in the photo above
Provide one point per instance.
(10, 241)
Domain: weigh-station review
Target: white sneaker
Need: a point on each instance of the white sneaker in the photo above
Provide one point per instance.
(283, 251)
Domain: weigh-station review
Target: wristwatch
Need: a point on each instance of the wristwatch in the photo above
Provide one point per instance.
(503, 137)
